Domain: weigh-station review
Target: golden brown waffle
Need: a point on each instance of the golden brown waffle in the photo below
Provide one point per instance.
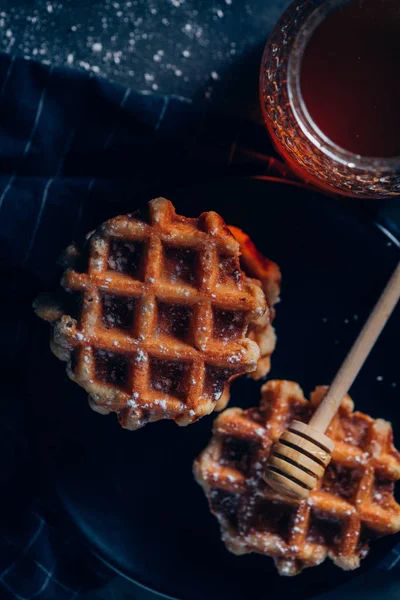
(268, 275)
(256, 266)
(161, 314)
(354, 501)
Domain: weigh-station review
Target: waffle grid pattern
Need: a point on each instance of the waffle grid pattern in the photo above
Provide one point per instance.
(267, 272)
(268, 275)
(189, 265)
(353, 503)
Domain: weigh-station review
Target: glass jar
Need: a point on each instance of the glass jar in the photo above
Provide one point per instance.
(307, 150)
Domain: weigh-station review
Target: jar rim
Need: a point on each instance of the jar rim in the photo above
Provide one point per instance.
(299, 108)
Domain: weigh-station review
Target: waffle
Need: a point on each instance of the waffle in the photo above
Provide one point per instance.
(268, 275)
(256, 266)
(353, 503)
(157, 316)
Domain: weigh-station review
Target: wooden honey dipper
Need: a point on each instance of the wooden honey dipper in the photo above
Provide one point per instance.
(298, 460)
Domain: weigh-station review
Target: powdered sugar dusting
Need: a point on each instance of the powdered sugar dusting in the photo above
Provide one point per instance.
(141, 356)
(122, 40)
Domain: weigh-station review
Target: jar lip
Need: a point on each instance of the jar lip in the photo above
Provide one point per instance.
(300, 111)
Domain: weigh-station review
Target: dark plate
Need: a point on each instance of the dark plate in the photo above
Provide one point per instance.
(133, 495)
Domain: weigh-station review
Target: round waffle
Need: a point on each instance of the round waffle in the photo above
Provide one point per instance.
(353, 503)
(157, 316)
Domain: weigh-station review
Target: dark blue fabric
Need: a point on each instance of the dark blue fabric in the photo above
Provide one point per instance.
(74, 150)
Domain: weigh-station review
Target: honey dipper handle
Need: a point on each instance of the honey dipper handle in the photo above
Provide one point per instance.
(358, 353)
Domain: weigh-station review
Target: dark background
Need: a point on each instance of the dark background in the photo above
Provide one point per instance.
(205, 50)
(208, 51)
